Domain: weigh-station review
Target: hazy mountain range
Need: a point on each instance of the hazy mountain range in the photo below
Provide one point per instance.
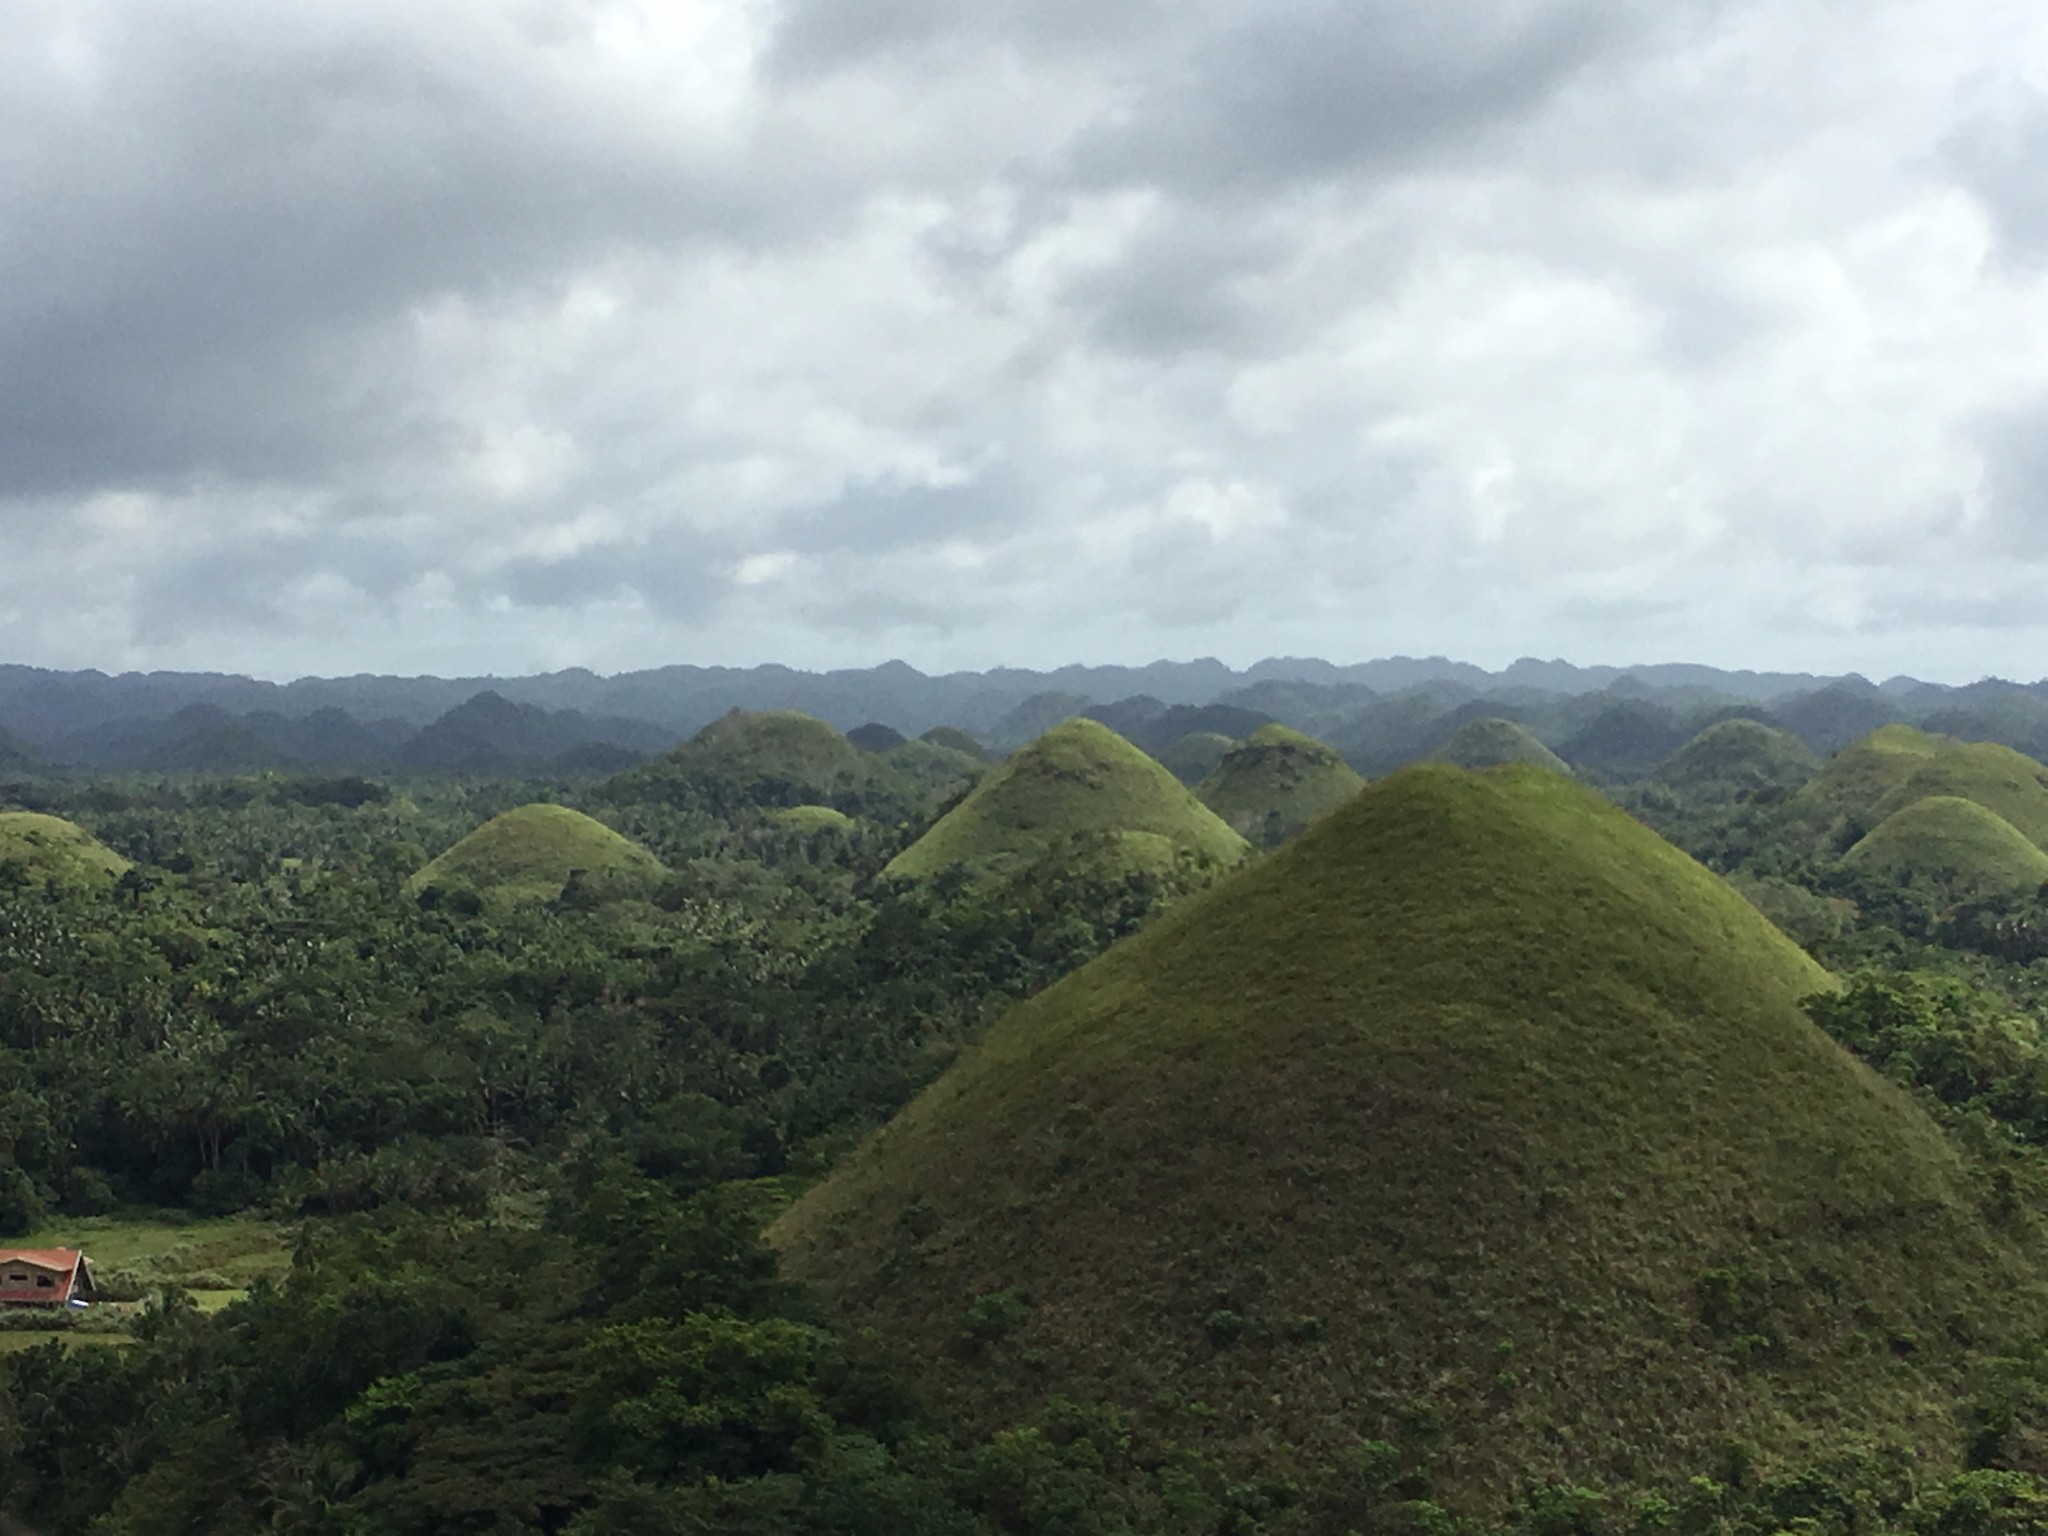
(1380, 713)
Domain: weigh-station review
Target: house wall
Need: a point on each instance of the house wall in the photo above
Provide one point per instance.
(33, 1285)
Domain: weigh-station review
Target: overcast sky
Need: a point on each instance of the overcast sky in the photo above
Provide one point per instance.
(503, 335)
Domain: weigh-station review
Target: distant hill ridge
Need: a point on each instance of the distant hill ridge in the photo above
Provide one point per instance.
(1617, 723)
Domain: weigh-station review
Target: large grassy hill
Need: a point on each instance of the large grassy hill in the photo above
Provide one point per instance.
(1478, 1120)
(1276, 783)
(50, 848)
(1492, 743)
(1954, 843)
(530, 853)
(1078, 780)
(1736, 757)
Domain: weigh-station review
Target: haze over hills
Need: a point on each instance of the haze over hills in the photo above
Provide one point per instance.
(1478, 1101)
(1379, 713)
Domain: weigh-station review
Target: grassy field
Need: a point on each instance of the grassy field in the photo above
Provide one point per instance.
(211, 1257)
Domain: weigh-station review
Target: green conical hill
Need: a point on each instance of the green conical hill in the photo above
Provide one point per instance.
(1079, 779)
(50, 848)
(1735, 757)
(1996, 777)
(1864, 772)
(1194, 757)
(530, 853)
(1955, 843)
(1896, 766)
(773, 743)
(1278, 782)
(1478, 1106)
(1495, 743)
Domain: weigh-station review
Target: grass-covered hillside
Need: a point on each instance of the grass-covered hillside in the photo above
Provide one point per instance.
(1896, 766)
(47, 848)
(1954, 844)
(1276, 783)
(530, 853)
(1078, 780)
(1195, 756)
(1492, 743)
(1478, 1121)
(1738, 757)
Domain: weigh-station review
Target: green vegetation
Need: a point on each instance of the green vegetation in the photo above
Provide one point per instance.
(1508, 1149)
(1474, 1166)
(1858, 778)
(957, 741)
(36, 847)
(1737, 758)
(532, 853)
(1078, 780)
(1194, 756)
(1276, 783)
(1955, 845)
(1496, 743)
(1892, 768)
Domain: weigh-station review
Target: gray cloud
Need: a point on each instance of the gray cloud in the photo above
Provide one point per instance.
(481, 336)
(1317, 89)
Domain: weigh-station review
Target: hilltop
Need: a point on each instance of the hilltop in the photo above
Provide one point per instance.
(1895, 766)
(1954, 842)
(1493, 743)
(1079, 779)
(1738, 757)
(50, 848)
(1194, 757)
(1478, 1120)
(1276, 783)
(530, 854)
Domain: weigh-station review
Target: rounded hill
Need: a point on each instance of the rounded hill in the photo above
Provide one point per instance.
(1478, 1106)
(1737, 757)
(772, 743)
(1276, 783)
(51, 848)
(1955, 843)
(1195, 756)
(1859, 776)
(531, 853)
(1493, 743)
(1896, 766)
(1078, 780)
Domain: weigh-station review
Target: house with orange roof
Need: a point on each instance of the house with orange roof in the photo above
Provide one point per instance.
(43, 1277)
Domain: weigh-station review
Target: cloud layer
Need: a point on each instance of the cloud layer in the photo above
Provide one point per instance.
(489, 336)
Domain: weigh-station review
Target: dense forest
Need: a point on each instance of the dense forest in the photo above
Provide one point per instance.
(1145, 1125)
